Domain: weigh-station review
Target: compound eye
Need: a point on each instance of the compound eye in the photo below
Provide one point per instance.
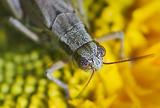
(101, 51)
(84, 63)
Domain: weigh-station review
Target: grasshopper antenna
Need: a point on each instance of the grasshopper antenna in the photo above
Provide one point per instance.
(120, 61)
(130, 59)
(87, 83)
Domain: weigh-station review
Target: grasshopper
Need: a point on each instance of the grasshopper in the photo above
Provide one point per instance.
(58, 19)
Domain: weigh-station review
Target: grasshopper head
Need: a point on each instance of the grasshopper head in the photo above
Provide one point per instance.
(90, 56)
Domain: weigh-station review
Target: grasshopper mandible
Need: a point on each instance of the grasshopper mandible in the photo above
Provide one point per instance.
(58, 17)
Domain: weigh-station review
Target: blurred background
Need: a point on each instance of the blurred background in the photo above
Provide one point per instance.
(128, 85)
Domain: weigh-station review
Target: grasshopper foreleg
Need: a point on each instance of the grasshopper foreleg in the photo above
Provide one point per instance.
(50, 72)
(113, 36)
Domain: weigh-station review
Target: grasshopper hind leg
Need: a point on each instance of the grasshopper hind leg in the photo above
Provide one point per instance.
(113, 36)
(22, 28)
(15, 7)
(50, 72)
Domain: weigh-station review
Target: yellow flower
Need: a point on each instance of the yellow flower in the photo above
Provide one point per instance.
(128, 85)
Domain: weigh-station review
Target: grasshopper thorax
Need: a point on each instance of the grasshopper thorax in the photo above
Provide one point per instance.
(90, 56)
